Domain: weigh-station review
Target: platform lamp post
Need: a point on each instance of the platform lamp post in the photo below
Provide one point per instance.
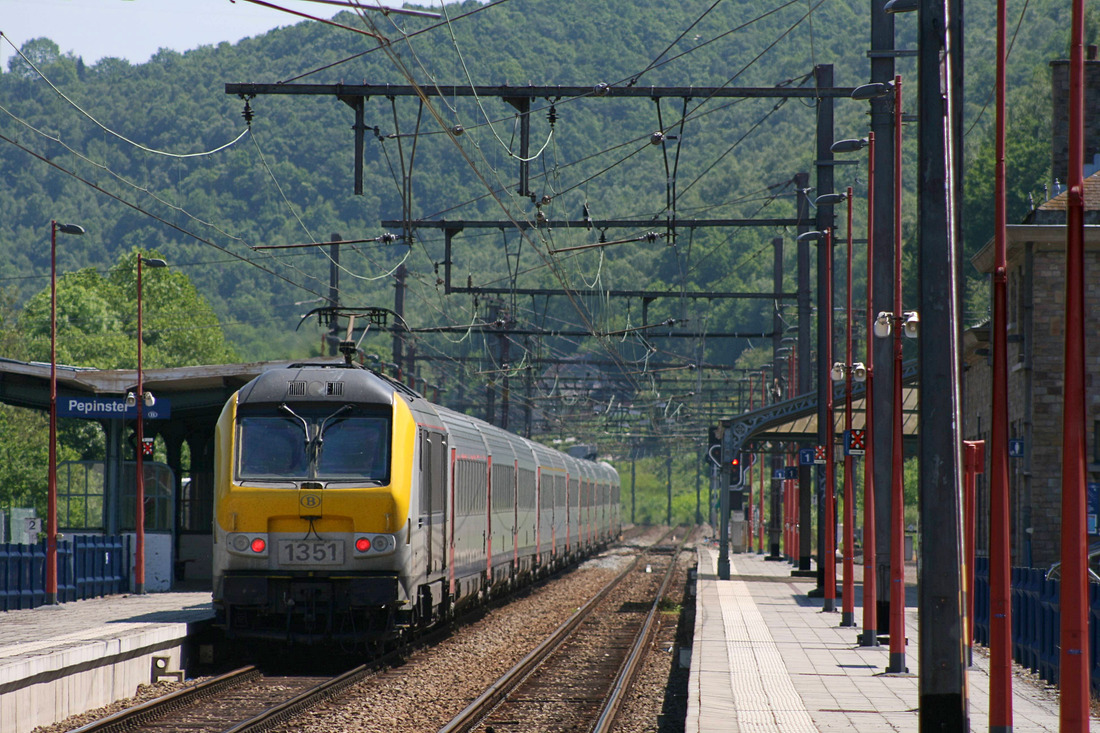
(1073, 658)
(845, 372)
(1000, 550)
(51, 482)
(869, 637)
(828, 558)
(140, 401)
(763, 483)
(886, 323)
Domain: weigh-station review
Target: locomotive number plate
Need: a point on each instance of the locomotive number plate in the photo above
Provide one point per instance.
(311, 552)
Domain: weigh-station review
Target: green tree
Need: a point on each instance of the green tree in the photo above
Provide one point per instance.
(96, 327)
(1027, 163)
(97, 320)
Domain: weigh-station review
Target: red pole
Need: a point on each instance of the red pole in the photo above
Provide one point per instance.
(870, 581)
(760, 510)
(1074, 656)
(51, 493)
(763, 469)
(975, 464)
(139, 468)
(795, 502)
(1000, 553)
(830, 432)
(760, 513)
(847, 616)
(789, 503)
(897, 494)
(793, 462)
(747, 469)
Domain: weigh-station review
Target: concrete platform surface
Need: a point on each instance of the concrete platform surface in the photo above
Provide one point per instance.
(767, 658)
(56, 661)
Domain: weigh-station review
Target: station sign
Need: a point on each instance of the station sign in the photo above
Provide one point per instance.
(106, 408)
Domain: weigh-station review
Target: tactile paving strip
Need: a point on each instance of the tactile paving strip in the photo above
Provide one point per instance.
(764, 697)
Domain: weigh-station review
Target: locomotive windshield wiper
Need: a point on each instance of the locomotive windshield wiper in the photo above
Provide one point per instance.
(299, 418)
(320, 437)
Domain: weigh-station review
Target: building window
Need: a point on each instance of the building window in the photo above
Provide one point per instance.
(80, 492)
(159, 483)
(196, 505)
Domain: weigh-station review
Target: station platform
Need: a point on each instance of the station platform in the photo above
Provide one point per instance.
(765, 657)
(57, 661)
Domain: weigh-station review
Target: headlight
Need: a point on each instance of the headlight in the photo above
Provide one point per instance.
(247, 544)
(374, 545)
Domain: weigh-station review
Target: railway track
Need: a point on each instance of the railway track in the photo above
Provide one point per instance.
(245, 700)
(241, 701)
(578, 677)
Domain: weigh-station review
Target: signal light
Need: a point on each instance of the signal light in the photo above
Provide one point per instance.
(259, 545)
(362, 544)
(735, 470)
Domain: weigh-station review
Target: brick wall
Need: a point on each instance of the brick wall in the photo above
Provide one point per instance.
(1036, 364)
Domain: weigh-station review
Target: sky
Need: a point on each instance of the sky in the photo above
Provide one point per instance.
(137, 29)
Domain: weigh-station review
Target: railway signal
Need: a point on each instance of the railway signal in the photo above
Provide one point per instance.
(736, 474)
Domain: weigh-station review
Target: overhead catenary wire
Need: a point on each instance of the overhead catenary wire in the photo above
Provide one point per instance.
(151, 215)
(108, 130)
(558, 170)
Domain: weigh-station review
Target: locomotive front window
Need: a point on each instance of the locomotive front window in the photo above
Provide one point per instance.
(307, 446)
(272, 448)
(356, 447)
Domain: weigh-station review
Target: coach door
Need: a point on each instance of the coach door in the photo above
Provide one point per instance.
(433, 510)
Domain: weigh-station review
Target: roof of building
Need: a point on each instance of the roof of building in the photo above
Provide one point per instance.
(1092, 197)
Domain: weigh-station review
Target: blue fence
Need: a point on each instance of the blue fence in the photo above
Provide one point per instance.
(1035, 620)
(87, 567)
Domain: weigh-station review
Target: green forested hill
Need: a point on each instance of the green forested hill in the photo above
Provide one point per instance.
(290, 179)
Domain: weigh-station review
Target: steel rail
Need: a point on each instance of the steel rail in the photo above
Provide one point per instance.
(162, 706)
(499, 690)
(625, 679)
(283, 712)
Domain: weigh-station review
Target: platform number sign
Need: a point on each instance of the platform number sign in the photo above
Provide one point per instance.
(1092, 496)
(806, 457)
(855, 442)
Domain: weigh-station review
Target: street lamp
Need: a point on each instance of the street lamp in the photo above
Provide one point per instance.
(901, 6)
(51, 481)
(828, 558)
(1073, 658)
(140, 400)
(846, 372)
(869, 637)
(882, 328)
